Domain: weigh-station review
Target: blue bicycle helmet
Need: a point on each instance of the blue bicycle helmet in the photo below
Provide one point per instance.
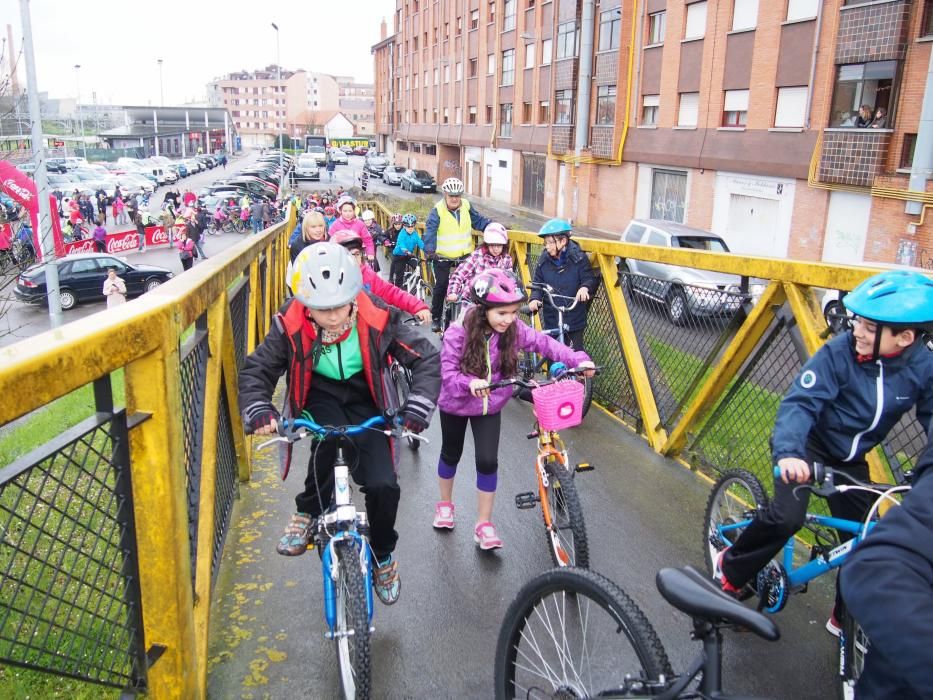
(409, 220)
(898, 298)
(556, 227)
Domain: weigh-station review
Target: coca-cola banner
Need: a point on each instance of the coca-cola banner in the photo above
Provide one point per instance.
(22, 189)
(124, 241)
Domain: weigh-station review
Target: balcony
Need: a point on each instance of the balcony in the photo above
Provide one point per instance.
(853, 156)
(561, 139)
(601, 140)
(876, 31)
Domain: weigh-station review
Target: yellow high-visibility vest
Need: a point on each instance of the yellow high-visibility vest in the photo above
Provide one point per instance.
(454, 238)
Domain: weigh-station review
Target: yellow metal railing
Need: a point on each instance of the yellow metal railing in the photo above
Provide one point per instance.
(144, 339)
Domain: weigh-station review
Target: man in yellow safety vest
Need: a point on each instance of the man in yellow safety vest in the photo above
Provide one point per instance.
(448, 238)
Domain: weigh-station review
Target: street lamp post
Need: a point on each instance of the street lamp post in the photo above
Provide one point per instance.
(278, 80)
(78, 107)
(161, 92)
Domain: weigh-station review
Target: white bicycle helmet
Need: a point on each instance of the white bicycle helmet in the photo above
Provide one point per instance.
(452, 185)
(324, 277)
(495, 234)
(368, 215)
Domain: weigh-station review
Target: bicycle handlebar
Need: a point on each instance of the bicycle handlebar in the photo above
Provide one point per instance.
(298, 428)
(526, 384)
(822, 481)
(549, 292)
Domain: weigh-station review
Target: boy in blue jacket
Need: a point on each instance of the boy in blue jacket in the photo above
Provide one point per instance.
(564, 266)
(406, 245)
(844, 401)
(887, 586)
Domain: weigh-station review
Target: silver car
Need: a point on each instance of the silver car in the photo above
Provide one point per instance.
(392, 175)
(684, 291)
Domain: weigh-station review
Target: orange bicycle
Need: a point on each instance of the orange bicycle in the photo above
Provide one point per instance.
(558, 404)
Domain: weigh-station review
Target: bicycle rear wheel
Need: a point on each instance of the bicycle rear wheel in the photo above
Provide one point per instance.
(853, 646)
(352, 638)
(572, 633)
(736, 497)
(566, 533)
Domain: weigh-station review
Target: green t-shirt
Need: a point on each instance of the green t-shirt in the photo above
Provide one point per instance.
(341, 360)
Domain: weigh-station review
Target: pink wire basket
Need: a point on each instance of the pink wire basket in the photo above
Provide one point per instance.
(558, 405)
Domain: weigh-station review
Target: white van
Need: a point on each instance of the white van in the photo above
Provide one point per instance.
(164, 175)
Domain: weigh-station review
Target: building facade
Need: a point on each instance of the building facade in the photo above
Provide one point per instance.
(739, 117)
(264, 104)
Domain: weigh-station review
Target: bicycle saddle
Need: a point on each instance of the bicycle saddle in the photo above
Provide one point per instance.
(693, 593)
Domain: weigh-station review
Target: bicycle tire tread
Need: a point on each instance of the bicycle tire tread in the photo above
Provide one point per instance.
(574, 515)
(637, 627)
(357, 616)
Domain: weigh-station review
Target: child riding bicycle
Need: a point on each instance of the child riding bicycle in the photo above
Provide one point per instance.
(406, 243)
(332, 341)
(842, 404)
(493, 253)
(481, 351)
(564, 266)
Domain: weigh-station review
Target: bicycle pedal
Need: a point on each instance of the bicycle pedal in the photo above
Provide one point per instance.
(526, 500)
(584, 467)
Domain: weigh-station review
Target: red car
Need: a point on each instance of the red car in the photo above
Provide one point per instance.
(359, 151)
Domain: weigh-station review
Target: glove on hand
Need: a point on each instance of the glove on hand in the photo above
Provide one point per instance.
(415, 414)
(259, 415)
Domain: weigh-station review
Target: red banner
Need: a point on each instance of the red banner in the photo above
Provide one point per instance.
(22, 189)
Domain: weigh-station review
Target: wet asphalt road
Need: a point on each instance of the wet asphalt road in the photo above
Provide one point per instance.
(643, 513)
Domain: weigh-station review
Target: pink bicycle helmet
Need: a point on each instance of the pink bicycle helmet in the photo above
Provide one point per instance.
(495, 234)
(346, 238)
(496, 287)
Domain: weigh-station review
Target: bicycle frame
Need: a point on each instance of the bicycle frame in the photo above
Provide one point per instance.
(798, 577)
(549, 445)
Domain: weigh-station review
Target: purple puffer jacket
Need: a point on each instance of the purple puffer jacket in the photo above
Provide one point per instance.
(455, 385)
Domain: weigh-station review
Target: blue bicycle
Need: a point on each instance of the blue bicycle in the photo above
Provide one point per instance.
(738, 496)
(341, 535)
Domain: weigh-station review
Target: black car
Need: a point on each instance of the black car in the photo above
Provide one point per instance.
(55, 165)
(418, 181)
(81, 278)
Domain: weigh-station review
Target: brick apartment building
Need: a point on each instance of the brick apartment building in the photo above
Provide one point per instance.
(737, 116)
(263, 103)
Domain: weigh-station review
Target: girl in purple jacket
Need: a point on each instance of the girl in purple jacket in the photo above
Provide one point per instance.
(485, 349)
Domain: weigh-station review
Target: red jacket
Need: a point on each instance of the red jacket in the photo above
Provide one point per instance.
(389, 293)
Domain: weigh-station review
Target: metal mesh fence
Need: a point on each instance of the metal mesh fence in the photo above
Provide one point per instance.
(681, 329)
(69, 583)
(227, 485)
(239, 316)
(193, 378)
(612, 387)
(737, 432)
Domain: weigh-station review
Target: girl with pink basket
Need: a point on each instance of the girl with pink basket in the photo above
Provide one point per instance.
(481, 351)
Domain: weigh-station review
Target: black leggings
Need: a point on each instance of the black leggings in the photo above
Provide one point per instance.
(369, 456)
(442, 268)
(485, 445)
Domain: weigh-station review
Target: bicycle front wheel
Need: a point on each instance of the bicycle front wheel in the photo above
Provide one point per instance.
(587, 393)
(566, 531)
(572, 633)
(853, 646)
(735, 499)
(351, 632)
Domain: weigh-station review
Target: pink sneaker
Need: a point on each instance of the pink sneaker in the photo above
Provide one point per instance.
(485, 536)
(444, 515)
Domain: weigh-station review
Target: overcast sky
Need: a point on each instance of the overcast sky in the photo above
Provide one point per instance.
(118, 44)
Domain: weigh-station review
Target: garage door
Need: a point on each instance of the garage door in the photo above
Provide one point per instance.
(752, 227)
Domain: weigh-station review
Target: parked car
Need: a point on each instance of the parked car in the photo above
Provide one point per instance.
(418, 181)
(684, 291)
(307, 168)
(347, 149)
(28, 168)
(375, 164)
(359, 151)
(193, 165)
(72, 163)
(81, 278)
(55, 165)
(392, 175)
